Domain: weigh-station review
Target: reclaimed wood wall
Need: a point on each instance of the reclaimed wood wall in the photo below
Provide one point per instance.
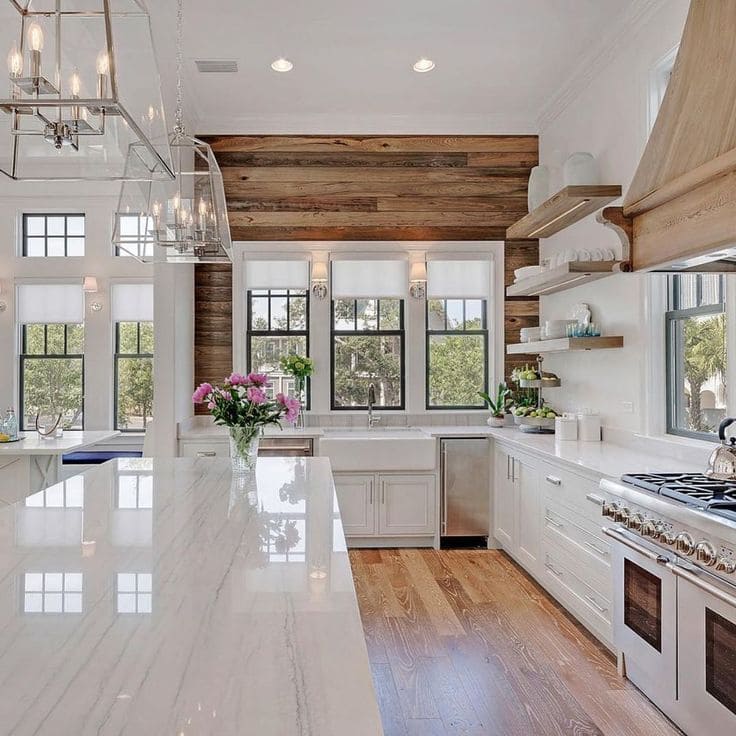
(282, 188)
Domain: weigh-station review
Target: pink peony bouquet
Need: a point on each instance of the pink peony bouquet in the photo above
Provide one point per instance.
(242, 402)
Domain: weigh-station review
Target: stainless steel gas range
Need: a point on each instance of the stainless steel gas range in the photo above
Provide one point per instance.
(674, 590)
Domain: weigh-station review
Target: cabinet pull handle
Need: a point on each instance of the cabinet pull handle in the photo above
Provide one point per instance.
(508, 468)
(552, 569)
(370, 490)
(596, 499)
(553, 480)
(602, 552)
(513, 470)
(593, 602)
(554, 523)
(383, 491)
(208, 453)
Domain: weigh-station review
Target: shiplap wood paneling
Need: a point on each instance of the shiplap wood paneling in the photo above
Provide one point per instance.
(282, 188)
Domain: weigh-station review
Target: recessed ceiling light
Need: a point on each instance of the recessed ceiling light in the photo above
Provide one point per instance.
(282, 65)
(423, 65)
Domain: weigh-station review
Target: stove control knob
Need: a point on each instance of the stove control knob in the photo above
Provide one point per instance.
(621, 514)
(706, 553)
(634, 522)
(726, 564)
(684, 543)
(667, 537)
(649, 529)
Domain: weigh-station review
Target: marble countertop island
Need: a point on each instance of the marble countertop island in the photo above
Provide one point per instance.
(157, 597)
(32, 444)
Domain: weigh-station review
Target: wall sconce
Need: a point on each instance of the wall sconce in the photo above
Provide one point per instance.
(418, 280)
(3, 305)
(319, 280)
(89, 286)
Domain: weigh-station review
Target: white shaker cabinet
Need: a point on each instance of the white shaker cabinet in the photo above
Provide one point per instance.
(388, 506)
(517, 506)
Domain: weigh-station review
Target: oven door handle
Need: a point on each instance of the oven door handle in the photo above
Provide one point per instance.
(619, 536)
(699, 582)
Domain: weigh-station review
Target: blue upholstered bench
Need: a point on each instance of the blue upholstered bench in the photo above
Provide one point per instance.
(90, 457)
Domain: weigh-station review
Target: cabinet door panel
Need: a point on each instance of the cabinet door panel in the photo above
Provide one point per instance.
(356, 497)
(529, 514)
(407, 505)
(503, 500)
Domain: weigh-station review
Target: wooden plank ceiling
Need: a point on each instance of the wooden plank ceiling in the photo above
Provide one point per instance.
(282, 188)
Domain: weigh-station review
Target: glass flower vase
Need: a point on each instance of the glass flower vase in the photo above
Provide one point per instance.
(300, 389)
(244, 443)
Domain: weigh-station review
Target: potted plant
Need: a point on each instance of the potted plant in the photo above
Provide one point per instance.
(497, 405)
(242, 405)
(301, 368)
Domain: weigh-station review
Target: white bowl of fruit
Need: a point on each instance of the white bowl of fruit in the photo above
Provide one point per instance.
(531, 416)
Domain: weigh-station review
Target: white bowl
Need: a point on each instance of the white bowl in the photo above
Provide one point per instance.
(554, 329)
(526, 272)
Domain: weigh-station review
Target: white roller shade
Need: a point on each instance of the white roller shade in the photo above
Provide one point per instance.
(50, 303)
(132, 303)
(369, 279)
(277, 274)
(458, 279)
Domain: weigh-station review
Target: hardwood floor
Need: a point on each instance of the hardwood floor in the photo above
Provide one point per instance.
(464, 642)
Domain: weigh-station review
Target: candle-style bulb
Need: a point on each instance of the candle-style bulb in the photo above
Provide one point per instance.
(35, 37)
(75, 83)
(15, 62)
(103, 63)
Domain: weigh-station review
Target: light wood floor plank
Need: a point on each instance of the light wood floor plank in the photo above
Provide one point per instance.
(464, 642)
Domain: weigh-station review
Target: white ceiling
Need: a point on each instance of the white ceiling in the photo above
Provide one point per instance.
(499, 62)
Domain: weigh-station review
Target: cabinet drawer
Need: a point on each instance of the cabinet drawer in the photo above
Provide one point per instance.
(593, 555)
(570, 489)
(204, 449)
(561, 570)
(562, 524)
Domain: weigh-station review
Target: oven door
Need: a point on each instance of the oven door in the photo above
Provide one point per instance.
(706, 653)
(645, 616)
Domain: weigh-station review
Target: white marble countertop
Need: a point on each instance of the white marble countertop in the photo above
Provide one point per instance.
(602, 458)
(33, 444)
(192, 604)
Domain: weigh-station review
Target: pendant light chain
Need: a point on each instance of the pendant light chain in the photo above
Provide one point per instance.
(179, 127)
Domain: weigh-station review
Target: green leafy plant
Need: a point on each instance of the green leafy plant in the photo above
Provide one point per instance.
(298, 366)
(497, 405)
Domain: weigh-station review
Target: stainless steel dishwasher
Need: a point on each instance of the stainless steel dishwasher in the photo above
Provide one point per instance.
(465, 487)
(285, 447)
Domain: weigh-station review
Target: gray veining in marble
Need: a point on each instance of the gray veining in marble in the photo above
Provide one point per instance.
(160, 597)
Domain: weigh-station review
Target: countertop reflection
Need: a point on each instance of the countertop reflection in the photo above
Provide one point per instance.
(170, 597)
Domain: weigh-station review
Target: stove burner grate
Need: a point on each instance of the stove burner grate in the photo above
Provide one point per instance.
(694, 489)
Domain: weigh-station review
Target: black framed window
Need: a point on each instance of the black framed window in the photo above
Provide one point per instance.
(52, 374)
(278, 325)
(133, 375)
(367, 347)
(136, 236)
(696, 354)
(457, 353)
(52, 235)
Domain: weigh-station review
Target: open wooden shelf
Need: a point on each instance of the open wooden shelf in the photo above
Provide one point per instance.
(566, 276)
(563, 209)
(566, 344)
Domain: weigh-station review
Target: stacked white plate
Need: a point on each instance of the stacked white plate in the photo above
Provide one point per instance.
(526, 272)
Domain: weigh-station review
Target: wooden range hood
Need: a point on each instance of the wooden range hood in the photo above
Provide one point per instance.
(680, 211)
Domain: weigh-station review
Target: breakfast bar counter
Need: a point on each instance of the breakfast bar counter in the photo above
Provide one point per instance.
(34, 462)
(167, 596)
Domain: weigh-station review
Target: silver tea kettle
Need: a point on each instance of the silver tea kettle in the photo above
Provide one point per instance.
(722, 463)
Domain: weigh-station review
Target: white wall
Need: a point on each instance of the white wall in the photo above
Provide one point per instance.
(608, 117)
(173, 307)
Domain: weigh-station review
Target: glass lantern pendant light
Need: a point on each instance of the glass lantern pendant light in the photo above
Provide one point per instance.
(181, 221)
(83, 86)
